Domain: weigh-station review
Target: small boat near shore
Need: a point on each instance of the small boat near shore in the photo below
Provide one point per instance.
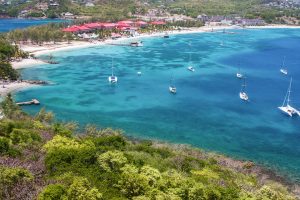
(137, 44)
(166, 35)
(286, 108)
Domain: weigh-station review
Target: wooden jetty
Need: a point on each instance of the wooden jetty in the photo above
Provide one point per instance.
(32, 102)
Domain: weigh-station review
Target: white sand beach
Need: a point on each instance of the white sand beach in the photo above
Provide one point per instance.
(6, 88)
(29, 62)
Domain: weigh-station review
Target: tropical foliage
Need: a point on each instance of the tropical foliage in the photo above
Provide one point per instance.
(7, 53)
(54, 161)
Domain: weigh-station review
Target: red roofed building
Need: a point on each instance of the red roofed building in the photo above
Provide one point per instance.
(126, 22)
(141, 23)
(93, 25)
(71, 29)
(158, 23)
(109, 25)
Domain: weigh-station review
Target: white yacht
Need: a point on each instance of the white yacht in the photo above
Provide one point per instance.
(139, 73)
(112, 78)
(286, 108)
(283, 69)
(239, 74)
(172, 87)
(243, 94)
(190, 68)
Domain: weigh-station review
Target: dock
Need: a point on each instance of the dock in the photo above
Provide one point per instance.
(32, 102)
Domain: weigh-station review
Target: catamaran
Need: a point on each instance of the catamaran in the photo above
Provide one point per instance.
(172, 87)
(190, 68)
(112, 78)
(243, 94)
(286, 107)
(283, 70)
(139, 73)
(239, 74)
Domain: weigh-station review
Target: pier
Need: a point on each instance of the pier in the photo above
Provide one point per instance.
(32, 102)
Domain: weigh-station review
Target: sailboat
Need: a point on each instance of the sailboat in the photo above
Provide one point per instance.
(243, 94)
(239, 74)
(283, 70)
(286, 107)
(112, 78)
(172, 87)
(190, 68)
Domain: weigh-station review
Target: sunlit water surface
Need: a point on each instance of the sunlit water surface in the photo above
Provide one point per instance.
(206, 112)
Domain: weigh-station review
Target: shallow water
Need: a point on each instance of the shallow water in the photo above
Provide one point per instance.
(13, 23)
(206, 112)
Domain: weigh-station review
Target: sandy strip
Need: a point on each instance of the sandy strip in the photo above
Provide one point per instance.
(6, 88)
(50, 48)
(26, 63)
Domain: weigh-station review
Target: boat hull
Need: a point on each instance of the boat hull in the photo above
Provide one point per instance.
(172, 90)
(244, 96)
(113, 79)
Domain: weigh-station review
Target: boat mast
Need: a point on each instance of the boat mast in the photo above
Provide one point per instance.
(289, 92)
(112, 66)
(244, 85)
(283, 62)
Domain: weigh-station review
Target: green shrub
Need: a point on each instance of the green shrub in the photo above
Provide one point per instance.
(4, 145)
(22, 136)
(109, 143)
(53, 192)
(10, 176)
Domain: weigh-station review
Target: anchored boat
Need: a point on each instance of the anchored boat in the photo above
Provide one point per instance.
(243, 94)
(286, 108)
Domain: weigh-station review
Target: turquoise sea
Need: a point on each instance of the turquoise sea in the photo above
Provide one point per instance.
(206, 112)
(13, 23)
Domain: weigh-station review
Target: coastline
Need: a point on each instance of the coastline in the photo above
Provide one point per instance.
(65, 46)
(38, 50)
(6, 88)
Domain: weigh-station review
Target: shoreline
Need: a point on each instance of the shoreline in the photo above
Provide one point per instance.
(61, 46)
(39, 50)
(9, 87)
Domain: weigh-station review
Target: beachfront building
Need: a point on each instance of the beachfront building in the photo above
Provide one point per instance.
(68, 15)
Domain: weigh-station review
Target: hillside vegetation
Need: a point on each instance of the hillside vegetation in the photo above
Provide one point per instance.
(120, 9)
(43, 159)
